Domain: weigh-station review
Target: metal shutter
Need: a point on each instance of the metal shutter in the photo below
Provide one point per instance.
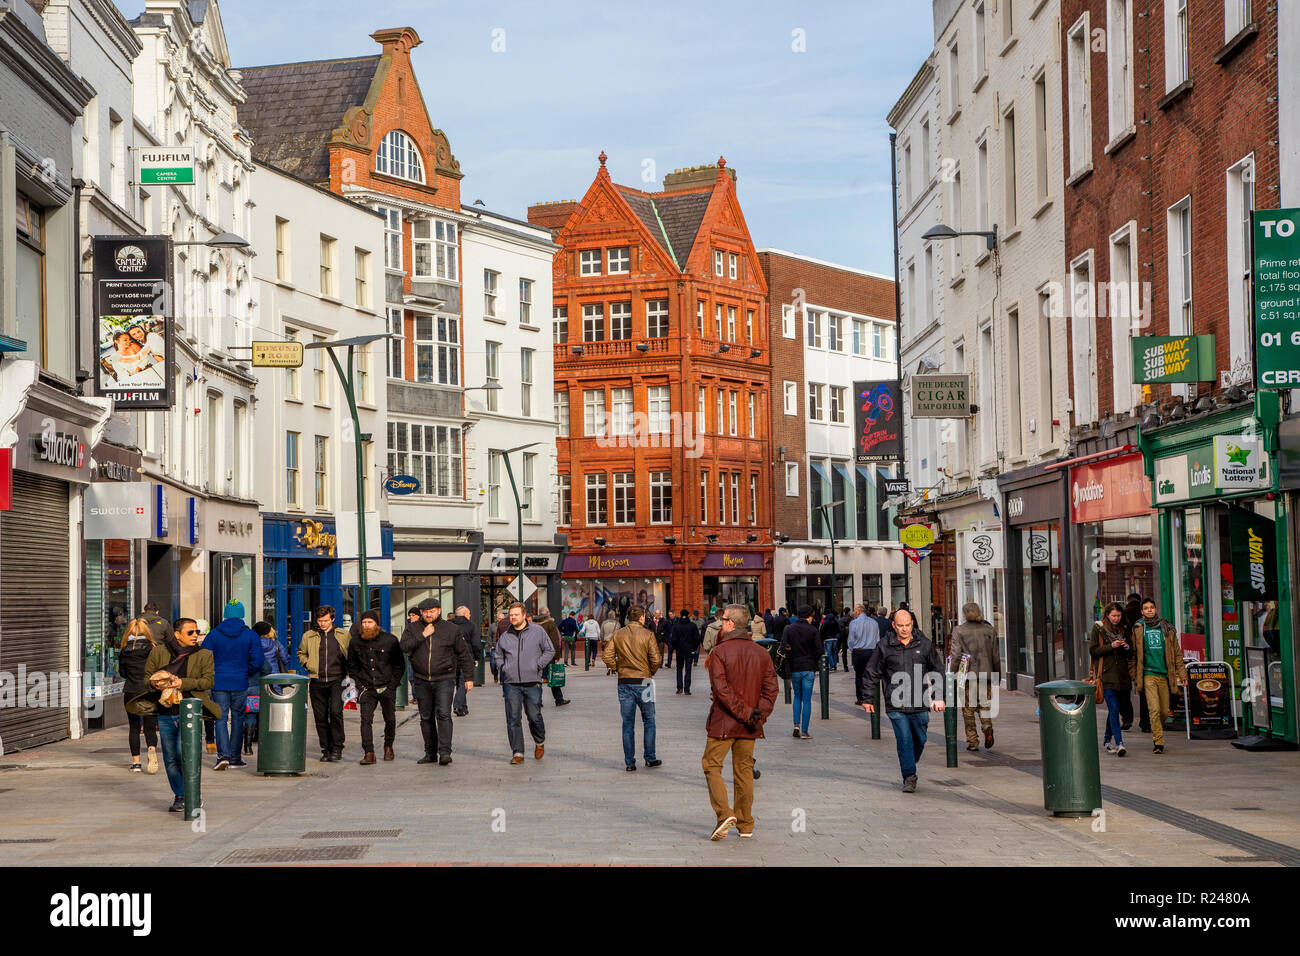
(34, 559)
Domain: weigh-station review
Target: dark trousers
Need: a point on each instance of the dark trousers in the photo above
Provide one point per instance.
(843, 649)
(460, 699)
(1124, 698)
(367, 701)
(570, 645)
(860, 659)
(528, 699)
(589, 650)
(434, 700)
(684, 658)
(557, 693)
(135, 723)
(1144, 712)
(327, 707)
(667, 651)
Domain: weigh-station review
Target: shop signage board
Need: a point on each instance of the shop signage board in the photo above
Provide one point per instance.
(897, 486)
(192, 524)
(401, 485)
(615, 563)
(6, 479)
(277, 355)
(117, 509)
(917, 555)
(732, 561)
(1276, 270)
(1173, 358)
(164, 166)
(529, 587)
(1239, 462)
(877, 421)
(1209, 701)
(1111, 489)
(1224, 464)
(983, 549)
(1254, 556)
(916, 535)
(941, 396)
(134, 338)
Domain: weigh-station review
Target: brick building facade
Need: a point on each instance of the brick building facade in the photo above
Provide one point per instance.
(661, 324)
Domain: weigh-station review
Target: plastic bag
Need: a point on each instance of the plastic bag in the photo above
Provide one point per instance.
(349, 694)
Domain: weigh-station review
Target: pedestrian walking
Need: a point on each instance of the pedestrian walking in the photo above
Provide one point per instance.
(465, 678)
(522, 654)
(547, 624)
(1132, 616)
(633, 653)
(323, 651)
(757, 629)
(744, 688)
(804, 647)
(176, 669)
(769, 623)
(376, 663)
(842, 647)
(1158, 668)
(608, 626)
(437, 651)
(237, 658)
(1112, 657)
(664, 636)
(780, 623)
(159, 627)
(977, 639)
(710, 636)
(137, 644)
(569, 635)
(906, 662)
(590, 635)
(882, 621)
(277, 662)
(685, 640)
(864, 635)
(829, 632)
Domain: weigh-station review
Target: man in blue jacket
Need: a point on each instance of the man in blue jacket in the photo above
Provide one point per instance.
(237, 656)
(523, 650)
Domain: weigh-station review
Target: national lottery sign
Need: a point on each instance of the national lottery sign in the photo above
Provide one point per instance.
(877, 421)
(134, 348)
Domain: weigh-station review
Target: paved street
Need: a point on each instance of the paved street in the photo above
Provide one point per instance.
(1201, 804)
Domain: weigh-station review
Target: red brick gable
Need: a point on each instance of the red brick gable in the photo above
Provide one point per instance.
(724, 228)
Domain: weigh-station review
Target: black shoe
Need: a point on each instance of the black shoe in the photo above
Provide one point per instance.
(653, 763)
(688, 693)
(1158, 749)
(1126, 726)
(444, 760)
(178, 805)
(561, 703)
(631, 768)
(326, 756)
(427, 759)
(909, 785)
(461, 713)
(238, 763)
(757, 774)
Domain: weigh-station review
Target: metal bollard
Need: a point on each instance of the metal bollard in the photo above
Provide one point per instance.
(824, 678)
(875, 716)
(950, 718)
(191, 720)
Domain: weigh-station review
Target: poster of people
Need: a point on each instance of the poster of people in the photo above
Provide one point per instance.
(604, 596)
(133, 330)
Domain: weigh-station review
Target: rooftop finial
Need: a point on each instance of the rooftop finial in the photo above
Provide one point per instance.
(602, 157)
(722, 162)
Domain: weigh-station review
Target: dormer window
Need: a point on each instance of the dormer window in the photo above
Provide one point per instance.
(620, 260)
(397, 156)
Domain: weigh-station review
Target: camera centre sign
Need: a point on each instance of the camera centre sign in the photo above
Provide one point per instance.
(164, 166)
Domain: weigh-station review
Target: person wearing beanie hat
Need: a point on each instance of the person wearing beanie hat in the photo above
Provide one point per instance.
(237, 657)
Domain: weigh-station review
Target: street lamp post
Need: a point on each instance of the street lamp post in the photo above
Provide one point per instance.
(349, 392)
(830, 526)
(519, 508)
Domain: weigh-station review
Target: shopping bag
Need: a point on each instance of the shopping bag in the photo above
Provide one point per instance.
(556, 675)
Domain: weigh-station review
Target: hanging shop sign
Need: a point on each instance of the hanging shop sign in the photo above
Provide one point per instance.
(117, 509)
(897, 486)
(277, 355)
(983, 549)
(192, 525)
(920, 535)
(1254, 556)
(6, 479)
(1117, 488)
(160, 511)
(917, 555)
(877, 421)
(941, 396)
(1173, 358)
(401, 485)
(1276, 270)
(164, 166)
(134, 340)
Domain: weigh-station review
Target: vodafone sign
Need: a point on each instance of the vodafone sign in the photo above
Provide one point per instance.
(1117, 488)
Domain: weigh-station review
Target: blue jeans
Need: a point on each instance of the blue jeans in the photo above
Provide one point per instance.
(1113, 731)
(909, 736)
(802, 682)
(632, 697)
(828, 648)
(169, 735)
(230, 739)
(528, 698)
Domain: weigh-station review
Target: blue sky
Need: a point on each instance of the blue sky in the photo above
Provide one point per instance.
(672, 82)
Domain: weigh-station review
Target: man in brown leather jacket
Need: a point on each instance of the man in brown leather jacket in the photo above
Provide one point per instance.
(744, 693)
(633, 652)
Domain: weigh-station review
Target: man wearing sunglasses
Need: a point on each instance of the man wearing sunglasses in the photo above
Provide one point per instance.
(179, 664)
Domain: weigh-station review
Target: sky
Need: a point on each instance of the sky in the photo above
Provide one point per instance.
(529, 93)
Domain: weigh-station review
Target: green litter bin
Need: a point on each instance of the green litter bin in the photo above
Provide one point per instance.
(1067, 730)
(282, 725)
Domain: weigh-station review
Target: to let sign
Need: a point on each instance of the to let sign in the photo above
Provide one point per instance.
(1277, 297)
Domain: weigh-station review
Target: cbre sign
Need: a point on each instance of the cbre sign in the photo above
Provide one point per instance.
(1276, 270)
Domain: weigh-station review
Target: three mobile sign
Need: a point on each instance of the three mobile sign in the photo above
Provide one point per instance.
(1277, 297)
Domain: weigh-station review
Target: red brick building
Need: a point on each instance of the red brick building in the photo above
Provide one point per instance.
(661, 327)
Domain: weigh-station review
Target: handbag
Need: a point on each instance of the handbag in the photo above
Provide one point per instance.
(1094, 678)
(781, 660)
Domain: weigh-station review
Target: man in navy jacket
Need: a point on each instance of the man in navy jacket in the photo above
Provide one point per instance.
(237, 655)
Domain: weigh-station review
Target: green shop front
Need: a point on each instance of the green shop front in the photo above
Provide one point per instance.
(1225, 556)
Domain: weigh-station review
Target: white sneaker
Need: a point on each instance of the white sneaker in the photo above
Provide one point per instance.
(1110, 748)
(721, 829)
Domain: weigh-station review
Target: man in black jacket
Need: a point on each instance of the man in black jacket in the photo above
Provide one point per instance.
(805, 649)
(375, 662)
(463, 622)
(685, 641)
(436, 649)
(781, 622)
(913, 671)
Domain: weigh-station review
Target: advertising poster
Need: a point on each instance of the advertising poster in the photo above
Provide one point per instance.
(1209, 700)
(877, 421)
(133, 328)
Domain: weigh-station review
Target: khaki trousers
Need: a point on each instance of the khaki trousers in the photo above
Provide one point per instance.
(742, 775)
(971, 704)
(1156, 687)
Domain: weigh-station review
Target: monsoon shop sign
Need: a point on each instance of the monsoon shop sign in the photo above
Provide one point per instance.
(1168, 358)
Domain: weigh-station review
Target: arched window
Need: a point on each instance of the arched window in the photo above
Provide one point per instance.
(397, 156)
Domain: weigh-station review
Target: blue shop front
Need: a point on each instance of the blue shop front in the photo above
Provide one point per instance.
(301, 571)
